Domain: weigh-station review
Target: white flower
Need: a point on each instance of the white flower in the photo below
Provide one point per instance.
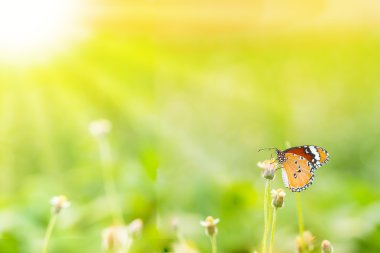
(269, 168)
(100, 127)
(327, 247)
(116, 239)
(210, 225)
(59, 202)
(278, 197)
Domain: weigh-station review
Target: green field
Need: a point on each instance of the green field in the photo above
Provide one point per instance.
(193, 90)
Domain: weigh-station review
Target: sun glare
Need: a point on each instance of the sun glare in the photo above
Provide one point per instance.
(31, 30)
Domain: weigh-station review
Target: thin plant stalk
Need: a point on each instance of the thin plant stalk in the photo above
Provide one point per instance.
(299, 212)
(272, 229)
(213, 243)
(300, 217)
(269, 222)
(266, 214)
(109, 184)
(49, 231)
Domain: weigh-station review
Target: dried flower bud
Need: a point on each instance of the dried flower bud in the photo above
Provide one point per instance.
(116, 239)
(278, 198)
(327, 247)
(269, 168)
(210, 225)
(100, 128)
(58, 203)
(306, 242)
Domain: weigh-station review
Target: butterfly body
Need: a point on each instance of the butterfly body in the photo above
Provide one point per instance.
(299, 164)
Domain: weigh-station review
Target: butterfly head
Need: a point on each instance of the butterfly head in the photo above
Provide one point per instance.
(280, 156)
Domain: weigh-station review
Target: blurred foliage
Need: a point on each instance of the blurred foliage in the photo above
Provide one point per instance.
(193, 90)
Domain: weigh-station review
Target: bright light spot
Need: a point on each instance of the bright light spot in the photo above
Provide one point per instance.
(30, 30)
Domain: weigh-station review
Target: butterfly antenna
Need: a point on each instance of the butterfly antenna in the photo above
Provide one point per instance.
(261, 149)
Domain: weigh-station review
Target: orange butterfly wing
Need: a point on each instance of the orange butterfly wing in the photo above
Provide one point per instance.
(297, 172)
(324, 156)
(314, 154)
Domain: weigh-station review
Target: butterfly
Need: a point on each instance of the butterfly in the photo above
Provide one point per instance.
(298, 165)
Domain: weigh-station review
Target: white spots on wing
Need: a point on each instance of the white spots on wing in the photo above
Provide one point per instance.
(285, 177)
(299, 189)
(313, 166)
(314, 151)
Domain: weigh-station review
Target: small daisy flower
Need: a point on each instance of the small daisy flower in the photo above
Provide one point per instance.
(59, 202)
(278, 198)
(327, 247)
(269, 168)
(116, 239)
(210, 225)
(100, 128)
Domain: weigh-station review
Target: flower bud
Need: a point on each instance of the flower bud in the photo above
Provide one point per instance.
(327, 247)
(269, 168)
(210, 225)
(58, 203)
(116, 239)
(278, 198)
(175, 224)
(135, 227)
(305, 243)
(100, 128)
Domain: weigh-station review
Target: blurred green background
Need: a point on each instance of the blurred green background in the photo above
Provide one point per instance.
(193, 89)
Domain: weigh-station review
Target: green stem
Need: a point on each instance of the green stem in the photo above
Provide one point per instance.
(299, 212)
(273, 229)
(109, 184)
(300, 218)
(49, 231)
(266, 214)
(213, 243)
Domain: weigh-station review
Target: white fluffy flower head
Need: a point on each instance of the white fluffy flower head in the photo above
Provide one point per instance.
(100, 128)
(59, 202)
(210, 225)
